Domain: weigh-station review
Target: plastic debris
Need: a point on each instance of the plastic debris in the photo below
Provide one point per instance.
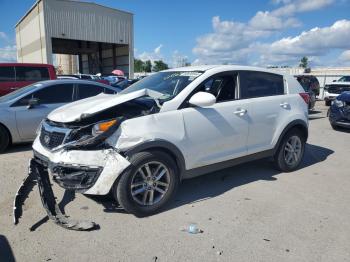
(192, 229)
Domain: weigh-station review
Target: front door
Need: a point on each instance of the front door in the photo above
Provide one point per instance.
(219, 132)
(49, 98)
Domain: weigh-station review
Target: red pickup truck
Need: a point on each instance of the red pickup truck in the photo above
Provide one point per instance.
(16, 75)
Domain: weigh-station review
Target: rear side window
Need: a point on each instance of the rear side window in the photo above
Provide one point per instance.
(32, 73)
(86, 90)
(7, 74)
(56, 94)
(260, 84)
(109, 91)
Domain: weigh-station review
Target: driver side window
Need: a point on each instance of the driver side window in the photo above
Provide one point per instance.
(222, 86)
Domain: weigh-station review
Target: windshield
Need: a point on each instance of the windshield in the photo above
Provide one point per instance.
(344, 79)
(169, 84)
(18, 93)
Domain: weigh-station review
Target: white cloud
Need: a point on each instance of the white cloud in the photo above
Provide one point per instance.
(8, 54)
(153, 56)
(344, 58)
(298, 6)
(315, 42)
(237, 42)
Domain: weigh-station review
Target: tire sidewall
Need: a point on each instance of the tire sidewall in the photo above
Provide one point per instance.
(4, 139)
(122, 191)
(280, 161)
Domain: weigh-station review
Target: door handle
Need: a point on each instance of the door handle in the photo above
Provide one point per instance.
(284, 105)
(14, 88)
(240, 112)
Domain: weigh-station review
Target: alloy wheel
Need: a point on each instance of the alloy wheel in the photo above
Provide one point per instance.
(150, 183)
(293, 150)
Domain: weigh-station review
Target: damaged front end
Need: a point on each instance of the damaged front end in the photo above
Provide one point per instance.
(339, 112)
(80, 156)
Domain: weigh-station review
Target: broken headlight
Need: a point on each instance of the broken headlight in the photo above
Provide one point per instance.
(338, 103)
(93, 135)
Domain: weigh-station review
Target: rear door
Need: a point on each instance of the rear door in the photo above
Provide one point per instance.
(7, 80)
(50, 98)
(269, 105)
(26, 75)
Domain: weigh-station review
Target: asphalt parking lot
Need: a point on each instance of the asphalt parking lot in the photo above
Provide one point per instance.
(248, 213)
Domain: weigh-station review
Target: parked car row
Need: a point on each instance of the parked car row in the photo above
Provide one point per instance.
(17, 75)
(22, 111)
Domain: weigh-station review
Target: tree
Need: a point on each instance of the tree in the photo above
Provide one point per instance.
(139, 65)
(148, 66)
(304, 62)
(159, 66)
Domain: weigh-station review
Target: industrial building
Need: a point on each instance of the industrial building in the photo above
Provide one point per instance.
(101, 37)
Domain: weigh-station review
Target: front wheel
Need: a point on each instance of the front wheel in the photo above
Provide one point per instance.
(148, 184)
(290, 152)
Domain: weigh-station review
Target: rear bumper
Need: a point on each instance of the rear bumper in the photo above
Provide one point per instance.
(87, 172)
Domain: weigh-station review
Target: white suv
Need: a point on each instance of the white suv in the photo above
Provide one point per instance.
(174, 125)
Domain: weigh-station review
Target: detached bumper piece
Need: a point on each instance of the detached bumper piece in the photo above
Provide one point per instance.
(38, 171)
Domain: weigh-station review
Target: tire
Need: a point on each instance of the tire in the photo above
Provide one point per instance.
(328, 103)
(136, 203)
(335, 127)
(282, 155)
(4, 139)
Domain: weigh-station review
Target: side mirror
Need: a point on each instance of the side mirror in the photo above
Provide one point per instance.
(202, 99)
(33, 102)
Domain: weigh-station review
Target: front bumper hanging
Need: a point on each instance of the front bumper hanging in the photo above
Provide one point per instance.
(38, 174)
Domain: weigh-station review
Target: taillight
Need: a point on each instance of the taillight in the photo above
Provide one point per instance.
(305, 97)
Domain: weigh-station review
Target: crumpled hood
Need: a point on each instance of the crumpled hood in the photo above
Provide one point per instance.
(345, 96)
(84, 108)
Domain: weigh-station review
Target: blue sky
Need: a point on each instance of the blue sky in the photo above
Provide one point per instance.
(254, 32)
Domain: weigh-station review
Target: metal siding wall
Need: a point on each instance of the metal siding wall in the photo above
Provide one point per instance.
(86, 21)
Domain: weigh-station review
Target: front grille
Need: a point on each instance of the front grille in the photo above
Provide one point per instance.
(51, 140)
(338, 89)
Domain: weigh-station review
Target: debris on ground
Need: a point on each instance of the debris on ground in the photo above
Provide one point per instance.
(219, 253)
(192, 229)
(267, 240)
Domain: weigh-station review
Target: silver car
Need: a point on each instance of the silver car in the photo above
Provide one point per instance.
(22, 111)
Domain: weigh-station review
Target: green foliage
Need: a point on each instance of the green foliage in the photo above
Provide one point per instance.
(304, 62)
(159, 66)
(148, 66)
(139, 65)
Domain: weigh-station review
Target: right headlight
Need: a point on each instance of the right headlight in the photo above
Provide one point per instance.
(338, 103)
(94, 135)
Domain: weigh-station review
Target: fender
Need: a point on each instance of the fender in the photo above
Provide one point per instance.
(297, 122)
(163, 145)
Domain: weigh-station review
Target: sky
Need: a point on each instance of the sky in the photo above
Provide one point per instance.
(250, 32)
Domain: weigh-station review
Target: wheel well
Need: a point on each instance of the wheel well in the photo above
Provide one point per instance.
(8, 132)
(301, 128)
(172, 155)
(298, 125)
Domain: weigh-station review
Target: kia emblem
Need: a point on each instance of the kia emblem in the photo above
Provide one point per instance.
(46, 139)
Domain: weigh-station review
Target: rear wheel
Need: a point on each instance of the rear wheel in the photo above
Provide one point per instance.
(148, 185)
(4, 139)
(290, 152)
